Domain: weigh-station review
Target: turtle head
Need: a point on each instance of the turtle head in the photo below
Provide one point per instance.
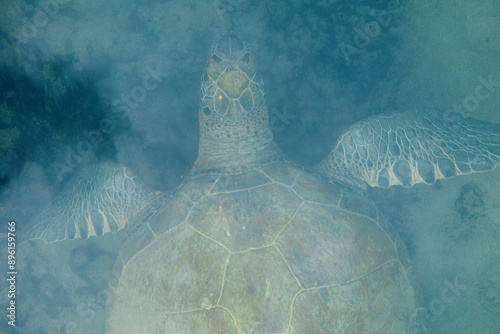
(234, 121)
(231, 88)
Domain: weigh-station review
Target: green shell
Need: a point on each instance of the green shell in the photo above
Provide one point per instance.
(275, 250)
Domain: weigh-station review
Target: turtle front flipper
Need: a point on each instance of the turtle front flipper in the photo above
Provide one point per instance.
(410, 148)
(98, 199)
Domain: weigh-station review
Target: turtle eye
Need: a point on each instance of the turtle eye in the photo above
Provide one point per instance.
(216, 59)
(221, 102)
(245, 58)
(246, 100)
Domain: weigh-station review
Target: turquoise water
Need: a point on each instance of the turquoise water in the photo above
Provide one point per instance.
(86, 82)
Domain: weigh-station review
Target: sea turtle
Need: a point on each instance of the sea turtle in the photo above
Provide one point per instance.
(250, 242)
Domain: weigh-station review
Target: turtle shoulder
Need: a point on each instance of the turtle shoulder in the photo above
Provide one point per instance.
(257, 252)
(166, 218)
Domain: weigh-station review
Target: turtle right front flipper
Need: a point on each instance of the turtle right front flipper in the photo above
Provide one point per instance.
(410, 148)
(100, 198)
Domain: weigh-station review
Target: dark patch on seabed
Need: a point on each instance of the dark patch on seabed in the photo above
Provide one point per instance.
(470, 202)
(39, 119)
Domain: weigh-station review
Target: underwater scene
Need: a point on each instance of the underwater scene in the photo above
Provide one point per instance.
(250, 166)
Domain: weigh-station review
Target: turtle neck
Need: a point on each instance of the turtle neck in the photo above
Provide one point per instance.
(242, 150)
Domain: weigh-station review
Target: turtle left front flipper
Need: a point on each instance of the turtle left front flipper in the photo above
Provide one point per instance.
(410, 148)
(98, 199)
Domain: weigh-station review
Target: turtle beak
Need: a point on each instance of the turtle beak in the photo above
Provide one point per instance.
(229, 46)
